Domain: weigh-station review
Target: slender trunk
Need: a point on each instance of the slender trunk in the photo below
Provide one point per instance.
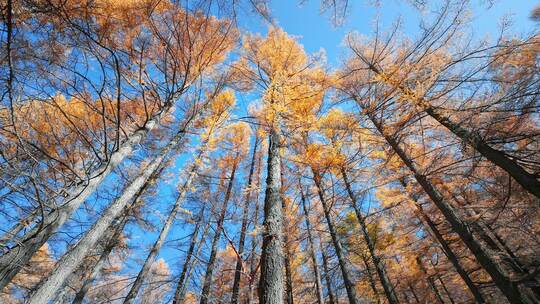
(271, 276)
(448, 294)
(112, 242)
(430, 280)
(288, 271)
(180, 293)
(345, 271)
(509, 288)
(245, 212)
(73, 258)
(187, 261)
(19, 255)
(454, 260)
(375, 258)
(311, 250)
(143, 273)
(370, 278)
(327, 278)
(499, 158)
(205, 293)
(252, 256)
(411, 288)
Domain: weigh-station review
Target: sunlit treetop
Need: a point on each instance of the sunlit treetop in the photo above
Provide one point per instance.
(290, 82)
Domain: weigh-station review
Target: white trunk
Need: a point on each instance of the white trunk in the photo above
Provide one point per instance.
(72, 259)
(19, 255)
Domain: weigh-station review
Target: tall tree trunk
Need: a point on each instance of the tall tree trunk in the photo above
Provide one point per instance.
(205, 293)
(145, 269)
(499, 158)
(272, 262)
(245, 213)
(375, 258)
(370, 278)
(448, 294)
(73, 258)
(252, 255)
(509, 288)
(286, 241)
(430, 280)
(311, 250)
(19, 255)
(331, 295)
(345, 270)
(454, 260)
(188, 267)
(112, 238)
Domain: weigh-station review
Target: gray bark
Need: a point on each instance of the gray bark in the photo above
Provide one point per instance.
(509, 288)
(205, 293)
(19, 255)
(375, 258)
(499, 158)
(311, 250)
(340, 253)
(327, 278)
(145, 269)
(272, 261)
(245, 212)
(73, 258)
(454, 260)
(180, 293)
(112, 242)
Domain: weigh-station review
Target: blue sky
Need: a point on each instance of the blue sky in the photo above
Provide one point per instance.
(316, 32)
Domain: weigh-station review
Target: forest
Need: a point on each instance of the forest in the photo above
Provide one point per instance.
(237, 151)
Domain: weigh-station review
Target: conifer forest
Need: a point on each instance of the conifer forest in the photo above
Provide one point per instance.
(269, 151)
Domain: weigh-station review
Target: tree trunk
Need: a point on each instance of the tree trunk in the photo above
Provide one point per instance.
(430, 280)
(509, 288)
(112, 242)
(73, 258)
(19, 255)
(187, 269)
(143, 273)
(205, 293)
(430, 225)
(311, 250)
(499, 158)
(288, 271)
(375, 258)
(370, 278)
(272, 262)
(345, 271)
(327, 278)
(10, 236)
(252, 257)
(245, 213)
(448, 294)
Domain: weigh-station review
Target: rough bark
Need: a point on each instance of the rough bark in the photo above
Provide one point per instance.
(430, 280)
(327, 278)
(187, 269)
(272, 262)
(73, 258)
(447, 250)
(499, 158)
(205, 293)
(19, 255)
(245, 213)
(375, 258)
(509, 288)
(145, 269)
(311, 250)
(340, 253)
(112, 242)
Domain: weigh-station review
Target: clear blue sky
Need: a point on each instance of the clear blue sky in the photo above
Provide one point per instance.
(315, 32)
